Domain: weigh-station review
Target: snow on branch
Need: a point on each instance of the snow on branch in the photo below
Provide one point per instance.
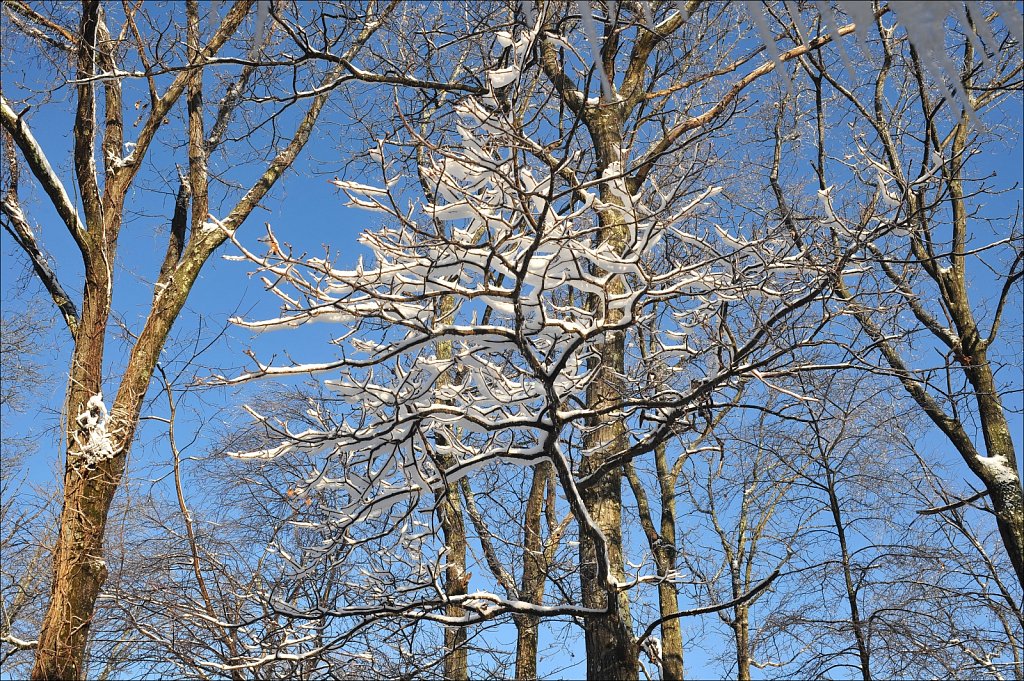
(468, 338)
(93, 443)
(923, 20)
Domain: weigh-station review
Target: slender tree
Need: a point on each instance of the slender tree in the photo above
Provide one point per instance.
(114, 55)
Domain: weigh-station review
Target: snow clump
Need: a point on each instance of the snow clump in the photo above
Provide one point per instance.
(93, 422)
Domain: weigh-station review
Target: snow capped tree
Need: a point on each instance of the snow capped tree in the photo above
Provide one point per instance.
(495, 324)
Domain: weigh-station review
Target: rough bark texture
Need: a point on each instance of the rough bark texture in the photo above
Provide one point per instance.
(611, 648)
(453, 530)
(741, 635)
(78, 566)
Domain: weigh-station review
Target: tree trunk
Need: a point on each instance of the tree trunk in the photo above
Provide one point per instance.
(454, 528)
(78, 566)
(611, 652)
(527, 631)
(741, 633)
(79, 571)
(611, 647)
(668, 597)
(91, 478)
(1003, 479)
(534, 574)
(851, 590)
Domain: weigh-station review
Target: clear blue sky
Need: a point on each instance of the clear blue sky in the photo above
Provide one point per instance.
(304, 210)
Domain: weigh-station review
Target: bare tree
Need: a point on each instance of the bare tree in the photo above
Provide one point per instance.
(740, 493)
(873, 589)
(27, 511)
(914, 178)
(28, 520)
(594, 253)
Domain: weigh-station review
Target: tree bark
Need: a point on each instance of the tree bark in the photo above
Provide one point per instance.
(453, 527)
(611, 647)
(668, 597)
(534, 573)
(741, 635)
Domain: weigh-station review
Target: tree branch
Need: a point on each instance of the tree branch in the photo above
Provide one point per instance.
(484, 534)
(750, 595)
(85, 117)
(22, 8)
(164, 103)
(956, 504)
(661, 147)
(17, 226)
(43, 171)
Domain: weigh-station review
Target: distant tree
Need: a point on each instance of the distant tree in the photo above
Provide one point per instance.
(875, 590)
(742, 522)
(27, 509)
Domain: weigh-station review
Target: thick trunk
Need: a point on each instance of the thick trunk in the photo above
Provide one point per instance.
(527, 631)
(611, 652)
(1008, 503)
(78, 567)
(1003, 479)
(89, 486)
(611, 648)
(79, 571)
(671, 633)
(454, 529)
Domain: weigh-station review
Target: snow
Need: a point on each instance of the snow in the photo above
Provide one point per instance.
(502, 77)
(1000, 469)
(96, 445)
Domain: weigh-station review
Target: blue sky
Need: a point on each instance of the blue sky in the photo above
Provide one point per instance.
(304, 210)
